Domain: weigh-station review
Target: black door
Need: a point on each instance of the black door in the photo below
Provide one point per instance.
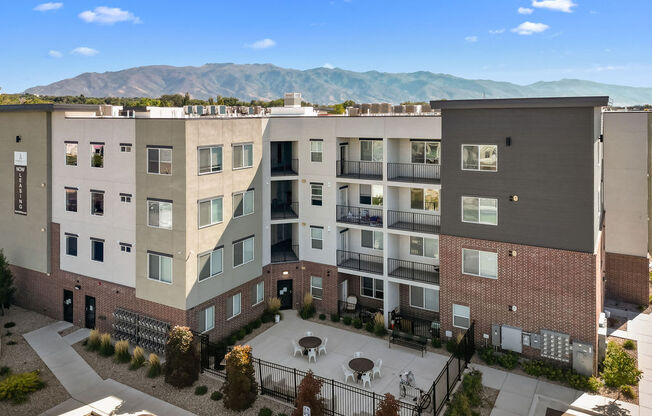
(342, 159)
(284, 292)
(67, 305)
(89, 316)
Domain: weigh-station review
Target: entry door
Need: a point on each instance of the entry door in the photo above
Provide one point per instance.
(342, 159)
(344, 197)
(90, 312)
(344, 240)
(343, 290)
(67, 305)
(284, 292)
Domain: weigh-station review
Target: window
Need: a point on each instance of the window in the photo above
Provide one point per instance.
(257, 293)
(480, 157)
(97, 203)
(71, 244)
(208, 321)
(317, 237)
(461, 316)
(316, 288)
(426, 247)
(243, 203)
(316, 150)
(125, 147)
(371, 150)
(125, 198)
(425, 199)
(71, 153)
(210, 264)
(125, 248)
(233, 306)
(316, 193)
(423, 298)
(210, 212)
(159, 214)
(243, 251)
(160, 267)
(371, 195)
(243, 156)
(480, 263)
(480, 210)
(97, 155)
(425, 152)
(71, 199)
(159, 160)
(371, 288)
(210, 159)
(97, 250)
(371, 239)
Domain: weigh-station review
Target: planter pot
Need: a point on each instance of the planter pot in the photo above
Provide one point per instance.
(277, 318)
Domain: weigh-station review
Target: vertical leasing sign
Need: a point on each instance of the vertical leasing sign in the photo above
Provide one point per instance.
(20, 183)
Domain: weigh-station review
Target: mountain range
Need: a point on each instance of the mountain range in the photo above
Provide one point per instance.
(319, 85)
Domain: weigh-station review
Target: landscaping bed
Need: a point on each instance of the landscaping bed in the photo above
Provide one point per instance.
(612, 392)
(471, 397)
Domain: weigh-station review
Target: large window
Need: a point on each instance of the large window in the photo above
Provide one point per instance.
(97, 250)
(210, 264)
(97, 203)
(461, 316)
(97, 155)
(371, 195)
(71, 199)
(71, 153)
(233, 305)
(371, 288)
(243, 203)
(425, 152)
(480, 210)
(210, 159)
(371, 239)
(425, 199)
(257, 293)
(159, 160)
(210, 212)
(316, 150)
(316, 287)
(316, 193)
(317, 237)
(371, 150)
(71, 245)
(423, 298)
(480, 263)
(243, 251)
(207, 320)
(243, 156)
(426, 247)
(160, 267)
(159, 214)
(480, 157)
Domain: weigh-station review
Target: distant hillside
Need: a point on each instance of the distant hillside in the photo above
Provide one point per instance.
(319, 85)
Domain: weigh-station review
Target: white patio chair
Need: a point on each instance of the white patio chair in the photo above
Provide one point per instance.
(297, 348)
(366, 378)
(357, 354)
(377, 368)
(351, 303)
(348, 373)
(312, 353)
(308, 333)
(322, 347)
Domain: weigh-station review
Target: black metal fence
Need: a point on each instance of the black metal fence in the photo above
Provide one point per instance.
(412, 270)
(284, 253)
(285, 167)
(359, 215)
(359, 169)
(413, 221)
(364, 313)
(283, 210)
(359, 261)
(422, 326)
(413, 172)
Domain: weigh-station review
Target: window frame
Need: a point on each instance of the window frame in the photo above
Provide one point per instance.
(210, 263)
(159, 202)
(423, 246)
(93, 241)
(160, 256)
(320, 239)
(75, 191)
(125, 247)
(480, 199)
(243, 145)
(424, 193)
(76, 146)
(158, 151)
(92, 193)
(313, 197)
(260, 287)
(210, 201)
(468, 315)
(423, 298)
(93, 146)
(125, 147)
(320, 152)
(425, 144)
(210, 151)
(206, 315)
(373, 154)
(253, 250)
(374, 288)
(479, 274)
(244, 195)
(232, 298)
(477, 146)
(72, 237)
(373, 240)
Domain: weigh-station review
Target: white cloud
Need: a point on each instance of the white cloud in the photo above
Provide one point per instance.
(525, 10)
(108, 16)
(558, 5)
(609, 68)
(85, 51)
(528, 28)
(46, 7)
(328, 66)
(55, 54)
(471, 39)
(497, 31)
(262, 44)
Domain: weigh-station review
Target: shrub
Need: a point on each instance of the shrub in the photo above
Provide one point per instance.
(335, 317)
(346, 320)
(154, 368)
(309, 395)
(379, 324)
(256, 324)
(459, 405)
(10, 324)
(641, 308)
(216, 395)
(629, 345)
(230, 341)
(577, 381)
(451, 346)
(106, 346)
(274, 305)
(240, 334)
(182, 358)
(122, 352)
(388, 406)
(594, 384)
(487, 355)
(4, 371)
(308, 308)
(248, 329)
(240, 387)
(472, 387)
(15, 388)
(265, 411)
(508, 360)
(322, 317)
(137, 359)
(11, 342)
(267, 316)
(93, 343)
(369, 326)
(619, 368)
(357, 323)
(9, 333)
(436, 342)
(628, 392)
(201, 390)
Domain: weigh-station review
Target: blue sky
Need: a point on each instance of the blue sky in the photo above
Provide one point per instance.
(521, 41)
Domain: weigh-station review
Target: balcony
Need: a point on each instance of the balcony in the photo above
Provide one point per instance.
(285, 252)
(426, 324)
(359, 170)
(413, 221)
(413, 172)
(284, 210)
(416, 272)
(360, 262)
(287, 167)
(372, 217)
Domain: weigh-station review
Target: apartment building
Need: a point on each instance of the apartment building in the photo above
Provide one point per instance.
(484, 210)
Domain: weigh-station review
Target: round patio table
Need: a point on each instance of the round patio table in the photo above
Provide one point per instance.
(361, 365)
(310, 342)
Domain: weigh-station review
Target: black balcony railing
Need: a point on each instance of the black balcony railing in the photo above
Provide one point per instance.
(356, 310)
(285, 167)
(413, 172)
(283, 210)
(425, 324)
(285, 252)
(413, 221)
(412, 270)
(360, 262)
(360, 170)
(360, 215)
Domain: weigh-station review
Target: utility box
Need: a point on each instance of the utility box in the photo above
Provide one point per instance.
(555, 345)
(583, 358)
(495, 335)
(511, 338)
(535, 341)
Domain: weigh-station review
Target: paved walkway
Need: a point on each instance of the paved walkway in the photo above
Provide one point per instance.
(89, 392)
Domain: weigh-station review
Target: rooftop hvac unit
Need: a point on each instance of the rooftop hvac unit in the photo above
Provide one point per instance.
(221, 109)
(292, 99)
(212, 110)
(199, 109)
(385, 108)
(375, 108)
(365, 108)
(187, 109)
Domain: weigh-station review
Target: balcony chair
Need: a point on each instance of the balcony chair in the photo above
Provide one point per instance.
(351, 303)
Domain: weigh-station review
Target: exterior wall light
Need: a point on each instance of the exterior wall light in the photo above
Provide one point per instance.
(513, 198)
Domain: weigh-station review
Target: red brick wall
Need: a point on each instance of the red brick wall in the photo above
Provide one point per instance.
(627, 278)
(404, 293)
(353, 289)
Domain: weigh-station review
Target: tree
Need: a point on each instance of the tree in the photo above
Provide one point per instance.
(240, 387)
(309, 392)
(7, 288)
(186, 99)
(619, 367)
(389, 406)
(181, 358)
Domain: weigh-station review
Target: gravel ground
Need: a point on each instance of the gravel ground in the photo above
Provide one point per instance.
(22, 358)
(488, 400)
(184, 398)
